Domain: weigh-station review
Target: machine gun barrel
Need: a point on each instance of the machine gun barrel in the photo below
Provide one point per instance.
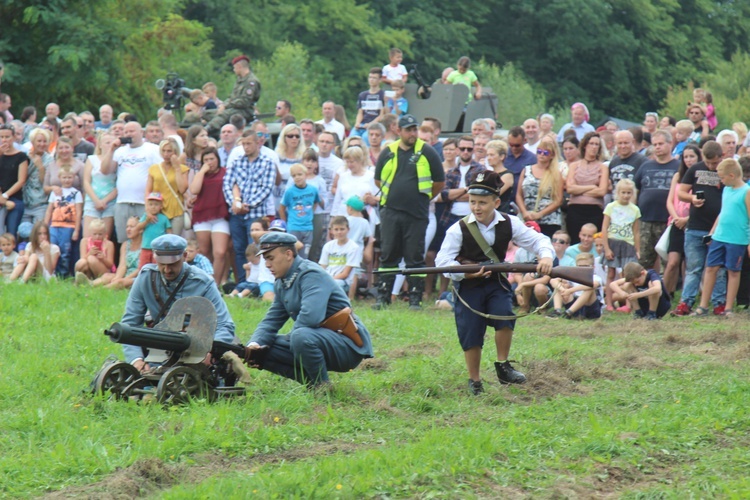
(148, 337)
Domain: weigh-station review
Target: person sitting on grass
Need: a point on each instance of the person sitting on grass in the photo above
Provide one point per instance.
(729, 236)
(251, 285)
(643, 290)
(341, 256)
(153, 224)
(580, 301)
(194, 258)
(9, 257)
(466, 241)
(130, 255)
(97, 254)
(40, 257)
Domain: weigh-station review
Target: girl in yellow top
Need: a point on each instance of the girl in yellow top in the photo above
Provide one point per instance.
(170, 178)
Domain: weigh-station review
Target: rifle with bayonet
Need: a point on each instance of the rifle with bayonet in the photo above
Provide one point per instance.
(582, 275)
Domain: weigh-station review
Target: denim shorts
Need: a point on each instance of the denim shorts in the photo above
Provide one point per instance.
(727, 255)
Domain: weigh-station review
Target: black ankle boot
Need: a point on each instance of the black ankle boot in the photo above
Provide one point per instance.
(506, 374)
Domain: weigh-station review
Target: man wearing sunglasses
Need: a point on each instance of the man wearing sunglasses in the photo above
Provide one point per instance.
(72, 129)
(518, 156)
(455, 193)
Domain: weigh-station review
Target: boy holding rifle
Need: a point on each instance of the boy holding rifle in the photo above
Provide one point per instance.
(482, 236)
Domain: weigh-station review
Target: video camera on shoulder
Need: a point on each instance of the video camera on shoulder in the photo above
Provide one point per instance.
(173, 90)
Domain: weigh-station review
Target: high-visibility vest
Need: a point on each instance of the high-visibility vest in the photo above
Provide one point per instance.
(424, 175)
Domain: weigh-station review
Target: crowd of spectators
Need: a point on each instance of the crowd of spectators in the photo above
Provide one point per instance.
(84, 198)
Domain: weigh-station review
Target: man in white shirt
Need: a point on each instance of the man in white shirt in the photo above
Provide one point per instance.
(531, 127)
(132, 162)
(329, 122)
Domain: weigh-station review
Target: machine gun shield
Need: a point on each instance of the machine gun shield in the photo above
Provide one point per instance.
(196, 317)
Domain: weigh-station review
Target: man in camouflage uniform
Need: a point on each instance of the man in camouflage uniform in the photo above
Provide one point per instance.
(245, 94)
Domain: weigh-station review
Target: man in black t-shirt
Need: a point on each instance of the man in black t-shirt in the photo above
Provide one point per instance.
(409, 173)
(701, 187)
(653, 180)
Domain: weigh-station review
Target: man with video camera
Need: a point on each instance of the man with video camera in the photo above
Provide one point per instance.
(245, 94)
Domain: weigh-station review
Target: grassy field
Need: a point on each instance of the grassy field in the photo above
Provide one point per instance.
(613, 408)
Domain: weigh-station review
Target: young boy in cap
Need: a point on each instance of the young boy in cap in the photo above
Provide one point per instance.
(481, 236)
(173, 277)
(153, 224)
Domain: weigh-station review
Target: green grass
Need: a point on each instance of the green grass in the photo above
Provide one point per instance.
(613, 408)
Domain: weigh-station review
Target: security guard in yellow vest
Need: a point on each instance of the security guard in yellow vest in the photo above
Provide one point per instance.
(409, 173)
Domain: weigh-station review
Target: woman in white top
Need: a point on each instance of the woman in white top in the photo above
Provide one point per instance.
(101, 193)
(356, 180)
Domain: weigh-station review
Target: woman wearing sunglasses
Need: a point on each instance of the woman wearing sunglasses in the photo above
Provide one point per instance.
(540, 189)
(290, 149)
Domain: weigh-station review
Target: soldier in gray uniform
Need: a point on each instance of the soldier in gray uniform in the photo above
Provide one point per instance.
(245, 94)
(159, 285)
(309, 295)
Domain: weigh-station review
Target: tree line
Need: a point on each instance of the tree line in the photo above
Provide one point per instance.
(621, 57)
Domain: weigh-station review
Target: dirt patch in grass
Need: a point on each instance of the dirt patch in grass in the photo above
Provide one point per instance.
(374, 364)
(636, 359)
(141, 479)
(611, 481)
(430, 349)
(548, 378)
(145, 478)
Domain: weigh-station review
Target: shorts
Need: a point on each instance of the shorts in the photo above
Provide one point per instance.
(266, 287)
(661, 309)
(592, 311)
(676, 241)
(246, 285)
(89, 210)
(147, 257)
(491, 298)
(727, 255)
(214, 226)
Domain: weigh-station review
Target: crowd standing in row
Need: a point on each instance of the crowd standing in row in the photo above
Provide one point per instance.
(387, 186)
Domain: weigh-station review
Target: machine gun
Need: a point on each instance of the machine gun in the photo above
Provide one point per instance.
(177, 348)
(582, 275)
(424, 90)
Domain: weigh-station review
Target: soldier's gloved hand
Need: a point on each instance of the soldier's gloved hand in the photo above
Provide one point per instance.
(255, 355)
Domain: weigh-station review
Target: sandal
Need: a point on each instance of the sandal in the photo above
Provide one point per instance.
(700, 311)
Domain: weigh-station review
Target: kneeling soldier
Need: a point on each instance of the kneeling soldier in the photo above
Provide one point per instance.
(326, 335)
(159, 285)
(483, 236)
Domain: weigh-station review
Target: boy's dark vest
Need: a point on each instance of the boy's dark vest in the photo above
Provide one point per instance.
(471, 251)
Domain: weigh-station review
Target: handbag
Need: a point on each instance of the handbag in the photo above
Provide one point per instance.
(187, 221)
(662, 246)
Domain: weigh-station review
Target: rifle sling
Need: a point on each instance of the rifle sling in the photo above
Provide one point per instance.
(166, 305)
(501, 318)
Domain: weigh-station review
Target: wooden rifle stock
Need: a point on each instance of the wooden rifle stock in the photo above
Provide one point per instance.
(582, 275)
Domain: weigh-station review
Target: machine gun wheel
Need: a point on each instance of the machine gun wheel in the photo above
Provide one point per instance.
(114, 378)
(181, 384)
